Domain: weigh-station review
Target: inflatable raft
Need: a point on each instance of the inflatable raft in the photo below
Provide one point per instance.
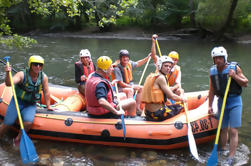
(67, 123)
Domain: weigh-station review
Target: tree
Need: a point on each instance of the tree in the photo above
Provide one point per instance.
(103, 11)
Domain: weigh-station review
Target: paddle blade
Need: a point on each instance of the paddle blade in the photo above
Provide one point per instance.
(192, 143)
(27, 149)
(213, 159)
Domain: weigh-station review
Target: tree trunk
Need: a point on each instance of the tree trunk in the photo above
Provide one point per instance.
(192, 13)
(221, 32)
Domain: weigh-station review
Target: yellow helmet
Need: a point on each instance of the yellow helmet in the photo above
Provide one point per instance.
(35, 59)
(104, 62)
(174, 54)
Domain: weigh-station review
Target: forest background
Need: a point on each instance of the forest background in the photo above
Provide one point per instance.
(206, 19)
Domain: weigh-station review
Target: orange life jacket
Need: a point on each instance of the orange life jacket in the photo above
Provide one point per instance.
(126, 73)
(171, 77)
(93, 106)
(151, 94)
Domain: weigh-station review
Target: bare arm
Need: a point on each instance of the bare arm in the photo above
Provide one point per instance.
(161, 81)
(210, 96)
(154, 37)
(17, 78)
(143, 61)
(239, 77)
(106, 105)
(46, 92)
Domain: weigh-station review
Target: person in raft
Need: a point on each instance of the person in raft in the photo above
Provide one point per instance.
(83, 68)
(218, 78)
(174, 76)
(156, 92)
(123, 73)
(28, 86)
(99, 94)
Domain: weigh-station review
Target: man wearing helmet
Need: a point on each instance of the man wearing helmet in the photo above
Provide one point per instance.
(218, 77)
(99, 94)
(123, 73)
(174, 76)
(156, 92)
(28, 86)
(83, 68)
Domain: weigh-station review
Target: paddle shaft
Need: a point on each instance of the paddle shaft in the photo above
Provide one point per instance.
(120, 107)
(6, 63)
(157, 43)
(142, 76)
(222, 110)
(15, 98)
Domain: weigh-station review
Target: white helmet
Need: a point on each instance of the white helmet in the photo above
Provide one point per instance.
(85, 53)
(219, 51)
(164, 59)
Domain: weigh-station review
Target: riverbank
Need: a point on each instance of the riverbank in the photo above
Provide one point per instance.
(143, 34)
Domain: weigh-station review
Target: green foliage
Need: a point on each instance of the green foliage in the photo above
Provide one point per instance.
(211, 15)
(17, 41)
(242, 17)
(104, 12)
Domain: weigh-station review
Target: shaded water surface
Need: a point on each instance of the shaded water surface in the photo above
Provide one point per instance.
(60, 53)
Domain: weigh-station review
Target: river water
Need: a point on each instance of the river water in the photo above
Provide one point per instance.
(61, 52)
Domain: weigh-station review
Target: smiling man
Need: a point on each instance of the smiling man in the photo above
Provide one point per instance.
(123, 72)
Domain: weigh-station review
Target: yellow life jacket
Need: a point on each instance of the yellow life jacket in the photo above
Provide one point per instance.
(171, 77)
(151, 94)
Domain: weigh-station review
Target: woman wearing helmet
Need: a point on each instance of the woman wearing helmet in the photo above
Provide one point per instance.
(99, 94)
(83, 68)
(123, 72)
(28, 86)
(156, 92)
(218, 77)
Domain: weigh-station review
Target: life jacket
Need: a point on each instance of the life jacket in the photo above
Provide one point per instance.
(93, 106)
(126, 73)
(86, 70)
(219, 80)
(28, 90)
(151, 94)
(171, 77)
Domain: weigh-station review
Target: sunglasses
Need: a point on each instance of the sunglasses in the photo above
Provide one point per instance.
(36, 64)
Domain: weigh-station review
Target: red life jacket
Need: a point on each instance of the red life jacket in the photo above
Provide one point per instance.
(88, 70)
(93, 106)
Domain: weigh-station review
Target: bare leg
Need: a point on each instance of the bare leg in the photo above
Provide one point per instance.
(3, 129)
(130, 106)
(224, 138)
(233, 141)
(128, 92)
(27, 127)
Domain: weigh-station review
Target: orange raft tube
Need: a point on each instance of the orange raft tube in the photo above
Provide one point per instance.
(72, 126)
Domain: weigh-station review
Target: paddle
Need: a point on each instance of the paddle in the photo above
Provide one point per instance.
(122, 115)
(191, 140)
(157, 43)
(142, 76)
(27, 149)
(213, 160)
(5, 64)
